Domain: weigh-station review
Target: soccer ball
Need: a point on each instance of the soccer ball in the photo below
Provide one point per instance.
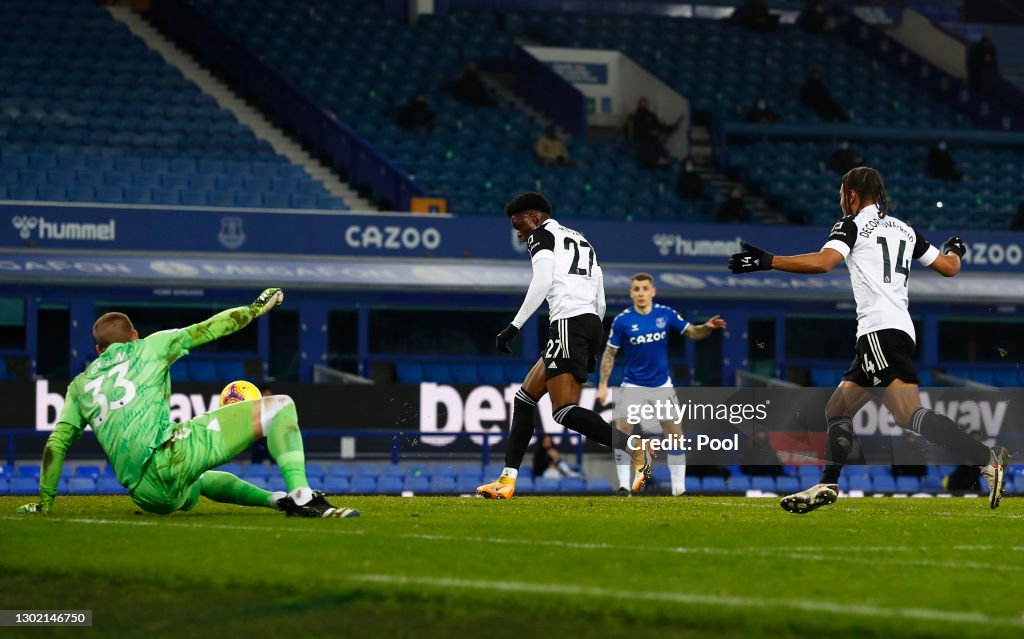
(240, 391)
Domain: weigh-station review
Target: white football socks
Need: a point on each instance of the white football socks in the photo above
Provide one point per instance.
(277, 496)
(677, 473)
(513, 473)
(623, 468)
(302, 495)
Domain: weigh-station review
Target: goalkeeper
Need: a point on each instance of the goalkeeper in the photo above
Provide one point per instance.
(123, 395)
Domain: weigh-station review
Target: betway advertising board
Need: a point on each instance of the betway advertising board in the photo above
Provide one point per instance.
(227, 232)
(433, 416)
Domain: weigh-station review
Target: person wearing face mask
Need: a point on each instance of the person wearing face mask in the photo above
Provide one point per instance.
(761, 113)
(689, 184)
(941, 165)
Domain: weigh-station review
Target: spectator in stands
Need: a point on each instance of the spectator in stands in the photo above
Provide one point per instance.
(548, 462)
(816, 96)
(908, 457)
(470, 90)
(982, 63)
(813, 18)
(550, 150)
(733, 210)
(941, 164)
(689, 183)
(1017, 224)
(417, 116)
(651, 154)
(760, 458)
(964, 477)
(761, 113)
(644, 123)
(754, 15)
(843, 158)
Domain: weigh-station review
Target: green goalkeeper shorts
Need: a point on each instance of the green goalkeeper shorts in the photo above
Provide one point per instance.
(170, 481)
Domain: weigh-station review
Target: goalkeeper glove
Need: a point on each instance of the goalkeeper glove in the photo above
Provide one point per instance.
(504, 337)
(750, 260)
(267, 300)
(954, 245)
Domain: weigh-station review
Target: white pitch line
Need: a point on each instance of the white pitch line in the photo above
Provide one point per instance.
(729, 601)
(799, 553)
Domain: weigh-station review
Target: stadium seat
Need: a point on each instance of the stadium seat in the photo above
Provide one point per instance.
(231, 467)
(442, 484)
(364, 484)
(908, 484)
(30, 471)
(25, 486)
(598, 485)
(439, 373)
(762, 482)
(858, 482)
(442, 470)
(573, 485)
(416, 484)
(366, 469)
(391, 484)
(82, 486)
(391, 470)
(110, 486)
(787, 485)
(739, 483)
(335, 484)
(709, 484)
(338, 470)
(883, 484)
(257, 470)
(661, 475)
(92, 472)
(545, 485)
(524, 484)
(276, 483)
(5, 486)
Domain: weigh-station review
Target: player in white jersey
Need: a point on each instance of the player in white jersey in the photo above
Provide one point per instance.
(567, 273)
(877, 249)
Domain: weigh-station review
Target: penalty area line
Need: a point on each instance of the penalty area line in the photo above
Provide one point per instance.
(726, 601)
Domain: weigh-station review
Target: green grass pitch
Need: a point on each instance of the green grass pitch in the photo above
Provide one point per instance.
(530, 567)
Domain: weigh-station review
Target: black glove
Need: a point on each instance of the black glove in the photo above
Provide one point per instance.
(504, 337)
(954, 245)
(750, 260)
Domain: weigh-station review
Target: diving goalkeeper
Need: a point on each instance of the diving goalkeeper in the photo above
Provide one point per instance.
(165, 466)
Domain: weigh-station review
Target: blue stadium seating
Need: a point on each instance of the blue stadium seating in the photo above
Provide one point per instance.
(443, 484)
(573, 485)
(908, 484)
(5, 486)
(416, 484)
(390, 484)
(409, 372)
(92, 472)
(365, 469)
(25, 486)
(391, 470)
(464, 484)
(787, 484)
(110, 126)
(28, 470)
(110, 486)
(335, 484)
(339, 470)
(82, 486)
(545, 485)
(739, 483)
(761, 482)
(364, 484)
(276, 483)
(883, 484)
(598, 485)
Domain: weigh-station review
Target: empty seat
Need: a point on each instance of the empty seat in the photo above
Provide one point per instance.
(82, 486)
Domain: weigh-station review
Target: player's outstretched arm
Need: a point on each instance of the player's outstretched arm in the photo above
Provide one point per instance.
(948, 263)
(69, 428)
(234, 319)
(755, 259)
(704, 330)
(607, 364)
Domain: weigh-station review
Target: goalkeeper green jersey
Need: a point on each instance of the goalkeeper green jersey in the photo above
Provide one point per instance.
(124, 395)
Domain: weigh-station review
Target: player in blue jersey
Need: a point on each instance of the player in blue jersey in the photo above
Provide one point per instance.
(643, 330)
